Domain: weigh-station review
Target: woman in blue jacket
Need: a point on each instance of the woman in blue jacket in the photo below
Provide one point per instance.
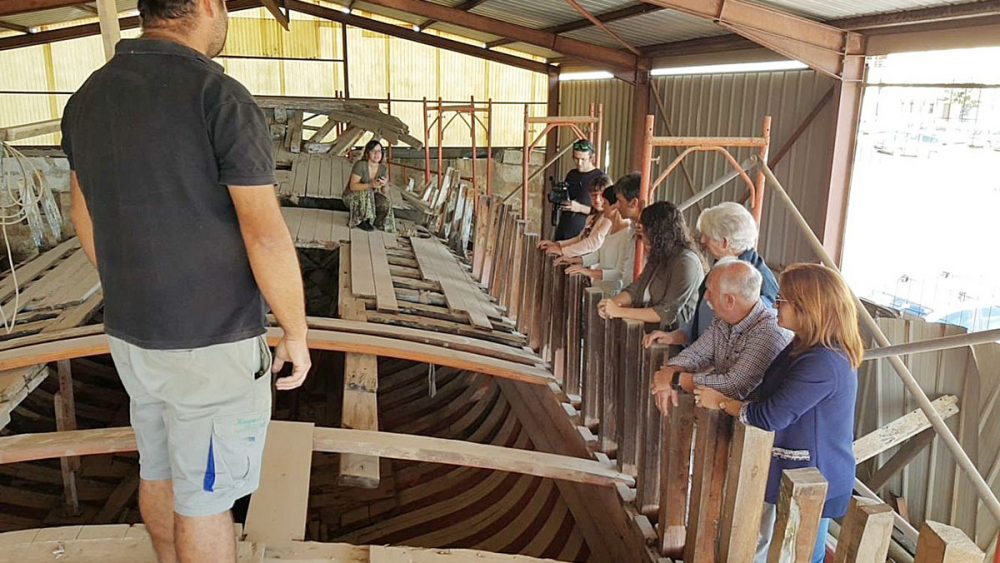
(808, 393)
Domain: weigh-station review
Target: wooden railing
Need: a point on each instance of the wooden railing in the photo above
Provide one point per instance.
(700, 475)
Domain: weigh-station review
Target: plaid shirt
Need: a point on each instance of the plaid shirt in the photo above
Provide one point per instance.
(732, 359)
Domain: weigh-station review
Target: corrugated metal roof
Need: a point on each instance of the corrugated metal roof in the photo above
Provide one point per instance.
(61, 15)
(663, 26)
(648, 29)
(826, 10)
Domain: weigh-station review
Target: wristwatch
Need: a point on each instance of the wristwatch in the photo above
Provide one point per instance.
(676, 381)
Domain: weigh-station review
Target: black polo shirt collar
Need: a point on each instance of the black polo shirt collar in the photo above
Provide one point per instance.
(149, 46)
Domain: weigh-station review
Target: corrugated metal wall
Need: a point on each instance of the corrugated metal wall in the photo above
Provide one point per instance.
(575, 97)
(729, 105)
(378, 65)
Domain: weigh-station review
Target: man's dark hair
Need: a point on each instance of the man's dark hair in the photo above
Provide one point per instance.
(583, 145)
(628, 186)
(609, 195)
(151, 11)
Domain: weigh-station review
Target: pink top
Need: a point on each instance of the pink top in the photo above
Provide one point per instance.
(587, 241)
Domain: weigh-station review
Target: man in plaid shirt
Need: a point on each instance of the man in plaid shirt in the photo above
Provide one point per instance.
(733, 353)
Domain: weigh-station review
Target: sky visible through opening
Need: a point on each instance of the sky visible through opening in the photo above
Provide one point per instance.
(924, 215)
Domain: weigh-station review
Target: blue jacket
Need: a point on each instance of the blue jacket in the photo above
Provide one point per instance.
(808, 402)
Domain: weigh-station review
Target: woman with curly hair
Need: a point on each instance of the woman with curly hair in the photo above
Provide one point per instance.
(808, 393)
(365, 193)
(666, 292)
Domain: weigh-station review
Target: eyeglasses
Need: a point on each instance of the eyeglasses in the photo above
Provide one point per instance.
(778, 300)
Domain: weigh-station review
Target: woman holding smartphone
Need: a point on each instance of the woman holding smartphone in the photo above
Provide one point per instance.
(365, 194)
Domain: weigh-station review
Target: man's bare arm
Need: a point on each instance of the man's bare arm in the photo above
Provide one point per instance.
(80, 216)
(275, 266)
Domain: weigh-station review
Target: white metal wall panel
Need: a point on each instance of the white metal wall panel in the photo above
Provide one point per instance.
(574, 99)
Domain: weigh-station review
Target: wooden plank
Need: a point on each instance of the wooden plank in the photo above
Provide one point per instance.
(313, 179)
(346, 140)
(650, 440)
(402, 554)
(385, 295)
(799, 510)
(463, 453)
(362, 275)
(627, 396)
(15, 385)
(557, 326)
(593, 362)
(360, 412)
(318, 340)
(437, 264)
(940, 543)
(482, 221)
(278, 507)
(77, 314)
(301, 169)
(497, 212)
(866, 533)
(30, 270)
(120, 497)
(608, 435)
(714, 433)
(675, 467)
(324, 189)
(750, 460)
(294, 132)
(901, 429)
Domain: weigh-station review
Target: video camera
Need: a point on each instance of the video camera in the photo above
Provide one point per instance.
(558, 195)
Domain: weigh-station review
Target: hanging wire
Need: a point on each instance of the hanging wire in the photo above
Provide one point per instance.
(24, 196)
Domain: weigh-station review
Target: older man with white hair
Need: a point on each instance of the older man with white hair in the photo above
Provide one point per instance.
(736, 349)
(727, 230)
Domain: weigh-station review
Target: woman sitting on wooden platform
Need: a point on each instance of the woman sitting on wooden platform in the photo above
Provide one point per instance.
(666, 292)
(371, 207)
(808, 394)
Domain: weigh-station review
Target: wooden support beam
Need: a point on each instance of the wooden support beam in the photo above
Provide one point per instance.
(592, 369)
(675, 476)
(277, 510)
(464, 6)
(847, 109)
(650, 439)
(827, 49)
(29, 130)
(608, 435)
(111, 33)
(411, 35)
(14, 27)
(279, 16)
(714, 435)
(866, 533)
(31, 447)
(901, 429)
(749, 462)
(627, 396)
(940, 543)
(468, 454)
(901, 458)
(360, 400)
(65, 407)
(800, 508)
(602, 56)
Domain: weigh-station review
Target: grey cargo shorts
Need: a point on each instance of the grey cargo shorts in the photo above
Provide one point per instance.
(200, 418)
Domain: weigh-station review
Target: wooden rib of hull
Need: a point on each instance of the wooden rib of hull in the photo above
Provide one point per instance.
(329, 340)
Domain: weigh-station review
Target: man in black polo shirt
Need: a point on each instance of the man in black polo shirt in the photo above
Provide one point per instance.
(573, 217)
(173, 200)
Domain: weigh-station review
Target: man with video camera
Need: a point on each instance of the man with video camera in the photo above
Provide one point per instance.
(576, 202)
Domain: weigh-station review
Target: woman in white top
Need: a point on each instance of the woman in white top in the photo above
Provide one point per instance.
(610, 267)
(598, 226)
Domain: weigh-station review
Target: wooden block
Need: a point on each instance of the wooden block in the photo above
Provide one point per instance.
(278, 508)
(749, 464)
(608, 433)
(940, 543)
(362, 274)
(675, 477)
(360, 411)
(592, 368)
(714, 433)
(627, 396)
(385, 295)
(866, 533)
(800, 508)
